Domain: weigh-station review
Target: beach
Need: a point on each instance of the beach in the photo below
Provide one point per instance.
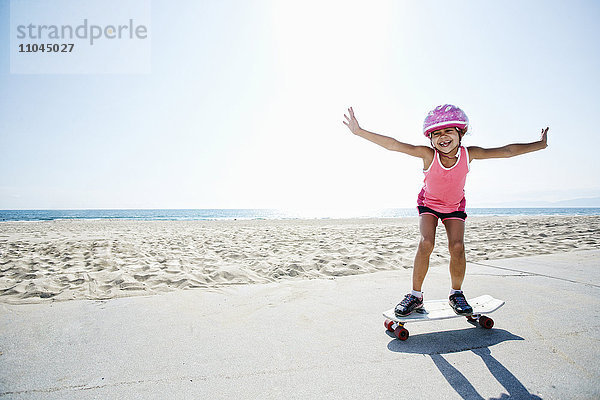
(61, 260)
(316, 339)
(292, 309)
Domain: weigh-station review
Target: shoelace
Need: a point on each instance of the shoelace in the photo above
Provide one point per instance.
(461, 301)
(407, 300)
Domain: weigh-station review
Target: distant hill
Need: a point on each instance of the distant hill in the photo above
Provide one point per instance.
(585, 202)
(581, 202)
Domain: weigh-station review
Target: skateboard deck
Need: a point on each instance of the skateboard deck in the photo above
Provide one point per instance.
(440, 309)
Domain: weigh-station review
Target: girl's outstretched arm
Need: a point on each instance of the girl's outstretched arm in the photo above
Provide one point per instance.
(510, 150)
(385, 141)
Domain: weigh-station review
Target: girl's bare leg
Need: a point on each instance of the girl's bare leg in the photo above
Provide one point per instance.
(455, 229)
(427, 226)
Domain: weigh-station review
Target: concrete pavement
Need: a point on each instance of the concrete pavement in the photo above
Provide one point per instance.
(316, 339)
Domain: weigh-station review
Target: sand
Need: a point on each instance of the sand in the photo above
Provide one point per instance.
(42, 262)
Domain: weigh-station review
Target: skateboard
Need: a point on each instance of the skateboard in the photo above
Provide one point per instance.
(440, 309)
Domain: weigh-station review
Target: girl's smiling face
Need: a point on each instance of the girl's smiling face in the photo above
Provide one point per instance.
(445, 140)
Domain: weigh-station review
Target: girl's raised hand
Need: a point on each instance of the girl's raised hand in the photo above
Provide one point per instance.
(544, 138)
(351, 122)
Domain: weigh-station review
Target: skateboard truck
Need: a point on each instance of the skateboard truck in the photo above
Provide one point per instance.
(398, 329)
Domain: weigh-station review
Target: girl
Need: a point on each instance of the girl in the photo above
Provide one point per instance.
(445, 165)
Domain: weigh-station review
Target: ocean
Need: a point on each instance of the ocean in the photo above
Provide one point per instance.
(263, 214)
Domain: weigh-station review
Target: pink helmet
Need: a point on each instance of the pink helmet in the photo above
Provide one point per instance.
(445, 116)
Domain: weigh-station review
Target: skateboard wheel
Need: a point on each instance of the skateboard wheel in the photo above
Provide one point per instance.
(401, 333)
(388, 325)
(486, 322)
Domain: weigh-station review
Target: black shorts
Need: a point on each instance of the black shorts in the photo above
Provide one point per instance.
(443, 216)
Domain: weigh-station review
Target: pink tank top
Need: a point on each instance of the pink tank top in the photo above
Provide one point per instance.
(444, 188)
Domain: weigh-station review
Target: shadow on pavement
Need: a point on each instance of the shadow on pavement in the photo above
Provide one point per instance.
(451, 341)
(476, 340)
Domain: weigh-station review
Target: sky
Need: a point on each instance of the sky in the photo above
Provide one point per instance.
(242, 102)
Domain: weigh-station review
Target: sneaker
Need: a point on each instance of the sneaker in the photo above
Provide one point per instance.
(459, 304)
(408, 305)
